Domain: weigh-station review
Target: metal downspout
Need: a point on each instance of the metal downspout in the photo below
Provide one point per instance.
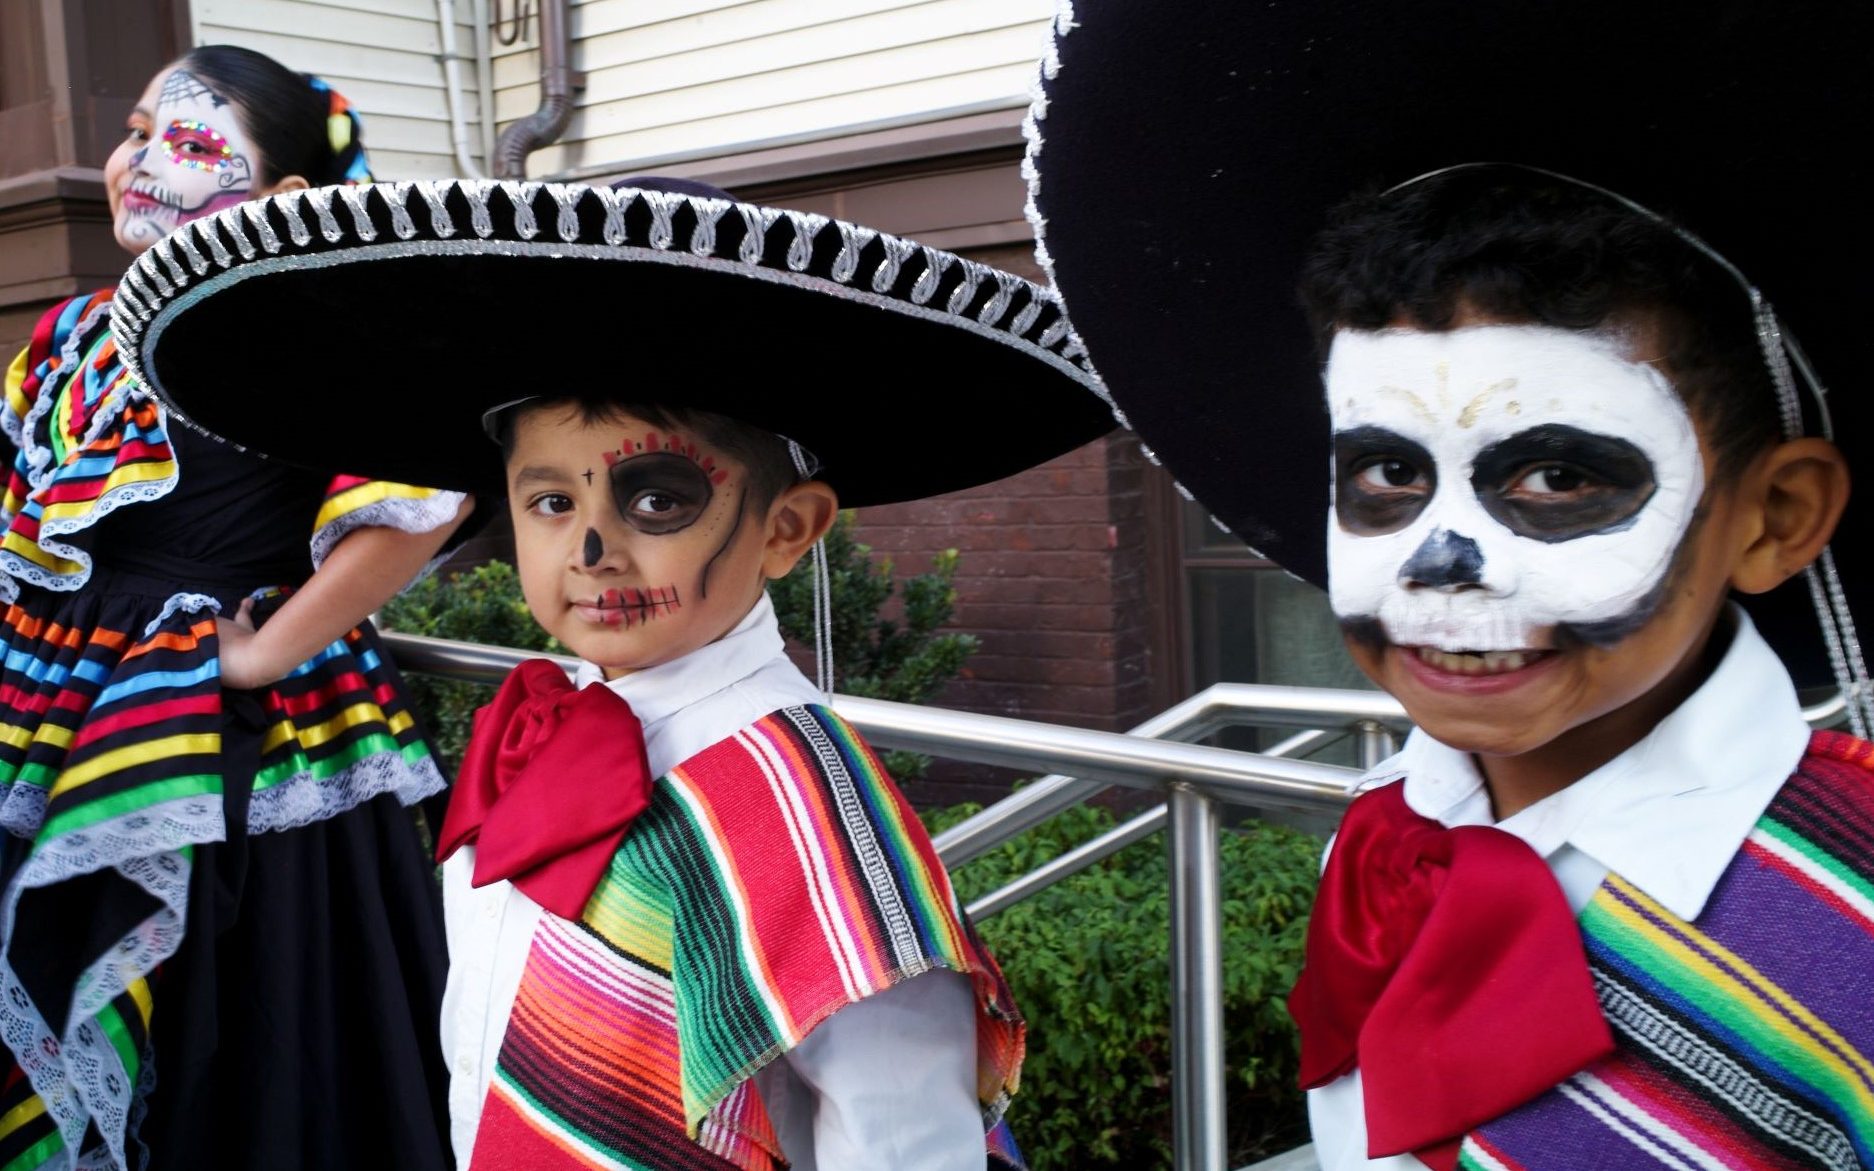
(452, 88)
(557, 82)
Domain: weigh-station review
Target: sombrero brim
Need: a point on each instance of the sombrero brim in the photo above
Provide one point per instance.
(368, 329)
(1184, 154)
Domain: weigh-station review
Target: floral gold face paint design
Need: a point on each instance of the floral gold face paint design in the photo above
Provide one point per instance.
(1503, 489)
(185, 156)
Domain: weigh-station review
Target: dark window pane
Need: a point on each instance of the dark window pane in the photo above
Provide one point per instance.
(1263, 626)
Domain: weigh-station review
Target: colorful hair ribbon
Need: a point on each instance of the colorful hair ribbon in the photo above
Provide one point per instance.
(345, 130)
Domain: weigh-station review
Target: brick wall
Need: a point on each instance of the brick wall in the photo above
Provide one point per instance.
(1051, 577)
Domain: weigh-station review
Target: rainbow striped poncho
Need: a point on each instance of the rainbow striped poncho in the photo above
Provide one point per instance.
(776, 877)
(1745, 1039)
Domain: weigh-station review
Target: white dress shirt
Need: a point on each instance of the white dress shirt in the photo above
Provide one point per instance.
(888, 1082)
(1667, 815)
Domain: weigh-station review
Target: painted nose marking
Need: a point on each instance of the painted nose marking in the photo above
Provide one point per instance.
(1444, 561)
(595, 548)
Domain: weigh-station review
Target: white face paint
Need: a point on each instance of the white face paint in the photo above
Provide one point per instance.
(1498, 483)
(186, 156)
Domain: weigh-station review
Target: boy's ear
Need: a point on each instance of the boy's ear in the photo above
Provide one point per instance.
(799, 516)
(1800, 488)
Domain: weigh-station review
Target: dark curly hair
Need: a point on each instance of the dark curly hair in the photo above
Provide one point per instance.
(1521, 245)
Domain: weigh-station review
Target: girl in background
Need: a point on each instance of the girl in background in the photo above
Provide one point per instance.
(220, 937)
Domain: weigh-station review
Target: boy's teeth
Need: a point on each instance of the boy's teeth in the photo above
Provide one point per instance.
(1475, 662)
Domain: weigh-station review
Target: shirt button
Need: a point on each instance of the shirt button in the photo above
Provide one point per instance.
(491, 908)
(464, 1067)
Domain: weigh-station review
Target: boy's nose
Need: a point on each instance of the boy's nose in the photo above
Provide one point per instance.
(1444, 561)
(600, 549)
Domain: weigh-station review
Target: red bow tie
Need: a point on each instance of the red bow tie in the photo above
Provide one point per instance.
(1446, 964)
(552, 778)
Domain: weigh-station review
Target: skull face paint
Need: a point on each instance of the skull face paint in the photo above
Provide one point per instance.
(634, 545)
(1503, 487)
(186, 156)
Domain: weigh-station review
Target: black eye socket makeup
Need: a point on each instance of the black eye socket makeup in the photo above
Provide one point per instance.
(660, 492)
(1557, 483)
(1382, 480)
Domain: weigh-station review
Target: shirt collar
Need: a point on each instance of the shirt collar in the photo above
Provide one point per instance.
(1667, 814)
(656, 693)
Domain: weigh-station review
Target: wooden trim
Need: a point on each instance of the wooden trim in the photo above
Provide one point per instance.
(818, 160)
(1170, 592)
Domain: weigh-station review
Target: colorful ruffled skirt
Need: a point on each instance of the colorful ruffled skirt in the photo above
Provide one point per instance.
(222, 939)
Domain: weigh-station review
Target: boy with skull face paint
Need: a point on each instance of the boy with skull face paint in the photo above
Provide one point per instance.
(645, 535)
(1612, 905)
(692, 923)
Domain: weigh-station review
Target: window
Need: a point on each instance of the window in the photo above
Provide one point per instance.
(1247, 621)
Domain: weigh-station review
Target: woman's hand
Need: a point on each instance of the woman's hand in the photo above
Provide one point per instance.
(244, 659)
(362, 572)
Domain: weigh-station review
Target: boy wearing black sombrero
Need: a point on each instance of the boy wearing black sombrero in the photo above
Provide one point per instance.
(692, 922)
(1612, 906)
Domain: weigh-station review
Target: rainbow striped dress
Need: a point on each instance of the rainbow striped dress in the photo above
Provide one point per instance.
(777, 877)
(1745, 1039)
(135, 791)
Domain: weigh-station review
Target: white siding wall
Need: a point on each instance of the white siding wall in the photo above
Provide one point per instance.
(381, 54)
(674, 79)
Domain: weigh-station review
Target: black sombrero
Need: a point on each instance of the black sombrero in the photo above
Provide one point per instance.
(369, 328)
(1183, 154)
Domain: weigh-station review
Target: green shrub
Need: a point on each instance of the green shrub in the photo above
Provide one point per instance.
(1088, 961)
(482, 605)
(903, 659)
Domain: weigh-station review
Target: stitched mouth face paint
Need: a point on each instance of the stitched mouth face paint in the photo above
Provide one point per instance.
(186, 156)
(628, 607)
(1501, 488)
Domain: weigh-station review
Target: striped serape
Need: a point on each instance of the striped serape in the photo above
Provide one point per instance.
(1746, 1039)
(776, 877)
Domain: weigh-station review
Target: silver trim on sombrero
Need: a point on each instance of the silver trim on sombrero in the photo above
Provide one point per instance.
(1048, 70)
(159, 286)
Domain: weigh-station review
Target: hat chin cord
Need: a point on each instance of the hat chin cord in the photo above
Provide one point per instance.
(806, 466)
(1785, 361)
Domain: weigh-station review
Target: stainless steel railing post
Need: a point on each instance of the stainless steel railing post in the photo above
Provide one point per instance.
(1197, 1101)
(1376, 743)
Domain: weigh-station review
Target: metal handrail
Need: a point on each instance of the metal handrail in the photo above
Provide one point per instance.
(1109, 758)
(1218, 706)
(1195, 778)
(1127, 833)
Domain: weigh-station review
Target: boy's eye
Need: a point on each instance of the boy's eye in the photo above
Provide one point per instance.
(1382, 480)
(654, 503)
(1382, 474)
(551, 504)
(1550, 480)
(660, 492)
(1555, 482)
